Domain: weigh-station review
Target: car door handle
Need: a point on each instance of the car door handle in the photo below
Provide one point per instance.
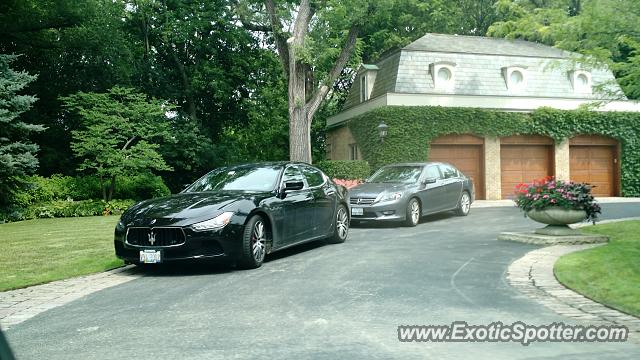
(330, 192)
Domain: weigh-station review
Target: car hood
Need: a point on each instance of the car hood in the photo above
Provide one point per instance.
(183, 208)
(372, 190)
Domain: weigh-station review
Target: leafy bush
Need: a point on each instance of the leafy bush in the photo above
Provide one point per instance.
(39, 189)
(345, 169)
(64, 208)
(548, 192)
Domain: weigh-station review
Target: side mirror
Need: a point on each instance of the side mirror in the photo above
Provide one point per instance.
(430, 180)
(293, 185)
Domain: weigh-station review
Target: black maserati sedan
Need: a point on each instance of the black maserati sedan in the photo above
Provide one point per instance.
(406, 192)
(238, 213)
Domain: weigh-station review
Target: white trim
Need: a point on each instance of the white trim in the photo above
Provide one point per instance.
(576, 84)
(504, 103)
(509, 71)
(439, 83)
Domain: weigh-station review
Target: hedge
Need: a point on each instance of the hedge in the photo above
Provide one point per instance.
(63, 208)
(411, 129)
(39, 189)
(345, 169)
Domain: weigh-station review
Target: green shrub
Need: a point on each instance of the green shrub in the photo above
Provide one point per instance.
(141, 187)
(38, 189)
(345, 169)
(64, 208)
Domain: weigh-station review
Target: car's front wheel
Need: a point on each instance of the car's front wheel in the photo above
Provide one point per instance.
(464, 204)
(254, 243)
(341, 226)
(413, 212)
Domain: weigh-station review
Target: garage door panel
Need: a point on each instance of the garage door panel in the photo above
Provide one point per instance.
(522, 164)
(467, 158)
(593, 164)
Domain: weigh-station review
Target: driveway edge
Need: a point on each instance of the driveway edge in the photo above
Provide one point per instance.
(533, 275)
(19, 305)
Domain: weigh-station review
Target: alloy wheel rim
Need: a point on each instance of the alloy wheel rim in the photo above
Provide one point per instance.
(415, 212)
(342, 223)
(465, 203)
(258, 241)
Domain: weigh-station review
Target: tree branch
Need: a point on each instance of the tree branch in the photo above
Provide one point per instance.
(280, 39)
(340, 63)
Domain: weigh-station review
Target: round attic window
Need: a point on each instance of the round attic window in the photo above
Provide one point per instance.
(516, 77)
(444, 75)
(583, 81)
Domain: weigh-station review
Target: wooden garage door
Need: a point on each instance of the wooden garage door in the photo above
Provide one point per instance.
(466, 157)
(523, 163)
(593, 161)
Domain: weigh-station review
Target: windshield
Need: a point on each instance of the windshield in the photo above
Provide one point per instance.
(245, 178)
(397, 174)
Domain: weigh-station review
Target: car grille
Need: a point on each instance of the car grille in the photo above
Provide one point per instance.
(361, 201)
(159, 236)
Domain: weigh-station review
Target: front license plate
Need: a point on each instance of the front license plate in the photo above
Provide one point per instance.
(150, 256)
(357, 211)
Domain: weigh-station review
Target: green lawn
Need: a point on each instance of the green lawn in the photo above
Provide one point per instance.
(609, 274)
(38, 251)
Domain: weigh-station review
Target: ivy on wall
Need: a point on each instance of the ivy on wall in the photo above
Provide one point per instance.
(411, 129)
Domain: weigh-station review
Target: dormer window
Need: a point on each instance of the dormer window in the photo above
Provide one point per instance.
(581, 81)
(364, 93)
(443, 74)
(515, 77)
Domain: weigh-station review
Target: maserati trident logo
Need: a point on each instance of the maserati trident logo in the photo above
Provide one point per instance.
(152, 237)
(153, 221)
(359, 200)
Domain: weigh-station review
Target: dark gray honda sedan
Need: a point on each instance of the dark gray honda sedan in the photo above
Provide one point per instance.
(405, 192)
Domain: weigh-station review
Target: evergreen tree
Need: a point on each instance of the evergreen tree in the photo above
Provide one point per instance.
(17, 153)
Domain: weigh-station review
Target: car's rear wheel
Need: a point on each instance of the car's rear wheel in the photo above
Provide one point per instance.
(464, 204)
(341, 226)
(254, 243)
(413, 212)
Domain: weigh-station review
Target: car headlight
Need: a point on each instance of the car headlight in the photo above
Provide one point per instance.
(216, 223)
(120, 226)
(389, 197)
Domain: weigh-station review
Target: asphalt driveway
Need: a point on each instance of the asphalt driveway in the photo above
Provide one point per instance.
(320, 302)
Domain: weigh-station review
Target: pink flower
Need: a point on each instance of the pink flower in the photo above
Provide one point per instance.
(545, 196)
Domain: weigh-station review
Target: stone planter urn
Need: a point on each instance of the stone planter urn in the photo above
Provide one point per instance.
(557, 220)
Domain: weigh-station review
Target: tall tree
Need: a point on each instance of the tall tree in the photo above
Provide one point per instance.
(315, 41)
(120, 134)
(17, 153)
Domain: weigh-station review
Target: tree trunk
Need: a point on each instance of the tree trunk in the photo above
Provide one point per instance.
(103, 189)
(112, 187)
(299, 137)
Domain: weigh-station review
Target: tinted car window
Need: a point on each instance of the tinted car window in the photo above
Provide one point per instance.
(449, 172)
(397, 174)
(433, 172)
(238, 178)
(314, 176)
(292, 173)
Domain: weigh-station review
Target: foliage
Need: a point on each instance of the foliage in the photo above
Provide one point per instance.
(121, 133)
(411, 130)
(66, 208)
(40, 189)
(17, 152)
(74, 45)
(548, 192)
(345, 170)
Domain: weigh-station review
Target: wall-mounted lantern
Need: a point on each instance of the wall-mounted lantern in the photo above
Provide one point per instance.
(383, 129)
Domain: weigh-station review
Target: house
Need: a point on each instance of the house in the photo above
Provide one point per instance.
(499, 75)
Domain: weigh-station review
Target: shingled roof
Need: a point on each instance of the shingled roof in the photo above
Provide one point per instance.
(484, 45)
(478, 65)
